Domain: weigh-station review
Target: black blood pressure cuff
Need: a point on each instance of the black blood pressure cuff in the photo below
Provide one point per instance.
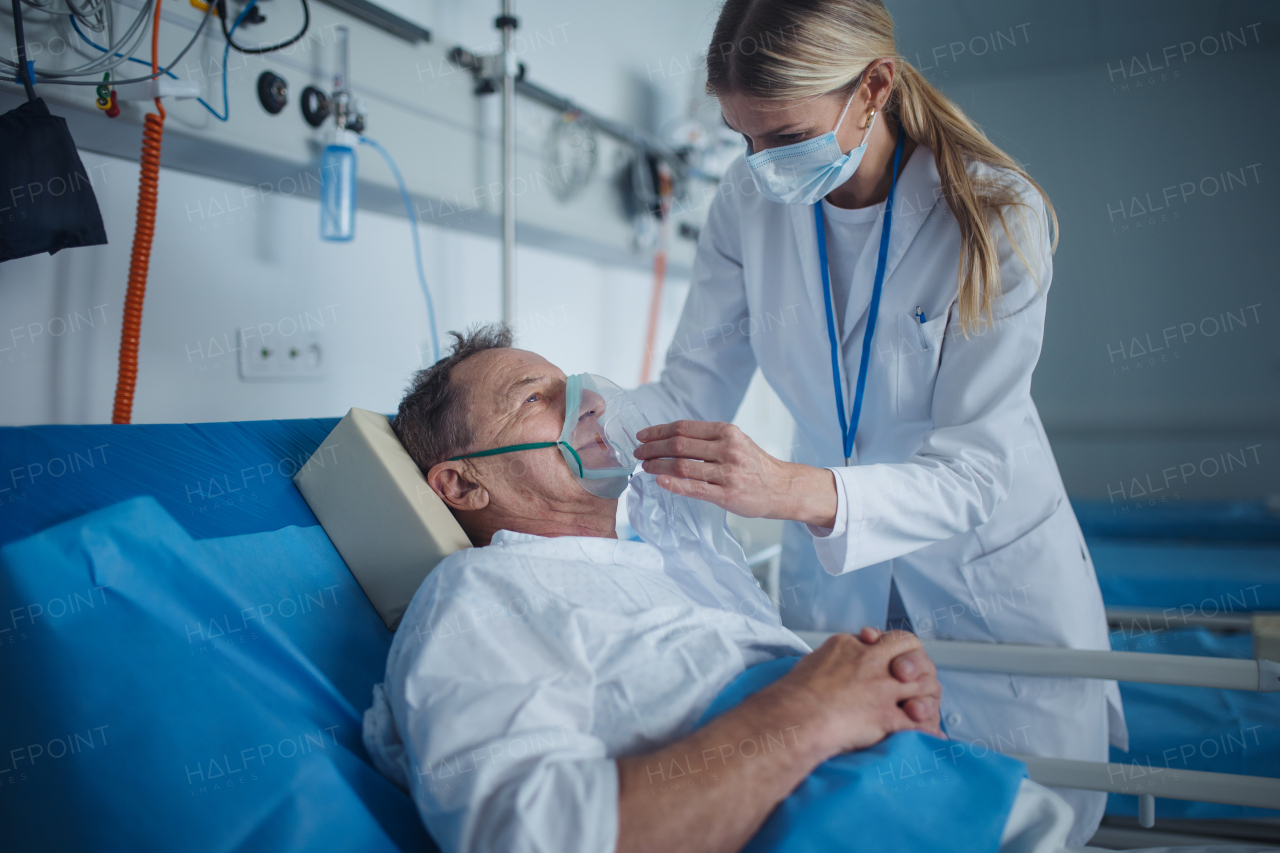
(46, 199)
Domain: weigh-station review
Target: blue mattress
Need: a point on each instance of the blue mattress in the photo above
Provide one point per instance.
(166, 693)
(1206, 559)
(1204, 578)
(221, 479)
(1229, 521)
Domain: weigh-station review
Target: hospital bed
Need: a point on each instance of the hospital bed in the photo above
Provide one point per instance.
(1119, 778)
(239, 544)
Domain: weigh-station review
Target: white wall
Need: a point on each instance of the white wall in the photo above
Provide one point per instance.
(264, 267)
(626, 61)
(1143, 376)
(1049, 100)
(223, 262)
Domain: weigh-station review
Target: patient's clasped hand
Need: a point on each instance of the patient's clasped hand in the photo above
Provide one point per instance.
(543, 687)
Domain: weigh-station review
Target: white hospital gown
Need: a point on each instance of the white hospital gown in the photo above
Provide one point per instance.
(522, 669)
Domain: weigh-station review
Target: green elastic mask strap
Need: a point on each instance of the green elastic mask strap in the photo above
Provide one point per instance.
(537, 445)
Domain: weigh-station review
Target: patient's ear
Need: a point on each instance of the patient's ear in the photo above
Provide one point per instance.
(449, 480)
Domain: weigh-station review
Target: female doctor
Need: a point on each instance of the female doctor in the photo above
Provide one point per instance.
(886, 267)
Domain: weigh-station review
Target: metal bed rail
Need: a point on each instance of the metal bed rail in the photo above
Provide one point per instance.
(1182, 670)
(1153, 780)
(1144, 781)
(1149, 668)
(1152, 619)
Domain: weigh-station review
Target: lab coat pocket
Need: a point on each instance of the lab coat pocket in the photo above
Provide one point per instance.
(1010, 589)
(1037, 590)
(919, 347)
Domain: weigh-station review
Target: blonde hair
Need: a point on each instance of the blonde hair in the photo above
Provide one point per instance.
(782, 50)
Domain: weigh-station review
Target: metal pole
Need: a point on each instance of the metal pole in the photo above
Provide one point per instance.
(507, 23)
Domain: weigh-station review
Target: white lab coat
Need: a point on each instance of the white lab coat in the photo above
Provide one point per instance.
(953, 491)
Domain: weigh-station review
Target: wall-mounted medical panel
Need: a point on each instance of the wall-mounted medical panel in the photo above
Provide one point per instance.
(419, 104)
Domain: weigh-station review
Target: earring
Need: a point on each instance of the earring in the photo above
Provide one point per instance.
(866, 124)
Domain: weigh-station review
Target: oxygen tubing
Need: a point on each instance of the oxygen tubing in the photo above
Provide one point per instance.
(140, 259)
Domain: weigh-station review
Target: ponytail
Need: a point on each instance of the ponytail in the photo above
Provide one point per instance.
(806, 48)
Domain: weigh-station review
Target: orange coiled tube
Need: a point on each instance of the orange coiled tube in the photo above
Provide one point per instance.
(139, 262)
(143, 232)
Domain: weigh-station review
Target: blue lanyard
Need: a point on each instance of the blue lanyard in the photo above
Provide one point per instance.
(849, 428)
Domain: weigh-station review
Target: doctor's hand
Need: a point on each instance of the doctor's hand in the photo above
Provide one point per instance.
(719, 463)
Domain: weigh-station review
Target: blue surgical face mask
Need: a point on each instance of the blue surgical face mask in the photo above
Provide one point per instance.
(803, 172)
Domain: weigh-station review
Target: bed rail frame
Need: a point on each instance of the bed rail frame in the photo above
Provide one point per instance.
(1144, 781)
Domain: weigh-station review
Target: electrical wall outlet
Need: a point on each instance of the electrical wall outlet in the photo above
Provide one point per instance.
(277, 358)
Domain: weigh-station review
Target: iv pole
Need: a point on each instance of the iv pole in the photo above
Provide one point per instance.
(507, 23)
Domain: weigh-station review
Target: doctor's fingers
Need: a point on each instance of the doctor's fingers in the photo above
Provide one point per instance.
(699, 489)
(687, 469)
(707, 430)
(682, 447)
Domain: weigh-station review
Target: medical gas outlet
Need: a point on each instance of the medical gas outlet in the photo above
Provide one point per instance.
(282, 358)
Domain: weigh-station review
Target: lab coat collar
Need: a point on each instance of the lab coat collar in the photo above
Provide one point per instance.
(919, 190)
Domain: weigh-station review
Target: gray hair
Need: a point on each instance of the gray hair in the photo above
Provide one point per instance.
(432, 420)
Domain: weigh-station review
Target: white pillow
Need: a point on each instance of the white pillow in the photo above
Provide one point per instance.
(379, 512)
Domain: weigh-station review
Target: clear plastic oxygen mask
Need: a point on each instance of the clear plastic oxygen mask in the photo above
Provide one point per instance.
(598, 440)
(600, 443)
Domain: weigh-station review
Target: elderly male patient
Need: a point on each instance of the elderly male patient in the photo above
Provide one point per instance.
(544, 685)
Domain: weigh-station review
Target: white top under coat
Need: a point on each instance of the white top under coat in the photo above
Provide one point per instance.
(848, 231)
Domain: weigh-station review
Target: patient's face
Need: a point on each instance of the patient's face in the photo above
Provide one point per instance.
(517, 397)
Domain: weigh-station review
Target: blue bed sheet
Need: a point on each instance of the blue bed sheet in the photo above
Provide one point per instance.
(910, 792)
(220, 479)
(163, 693)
